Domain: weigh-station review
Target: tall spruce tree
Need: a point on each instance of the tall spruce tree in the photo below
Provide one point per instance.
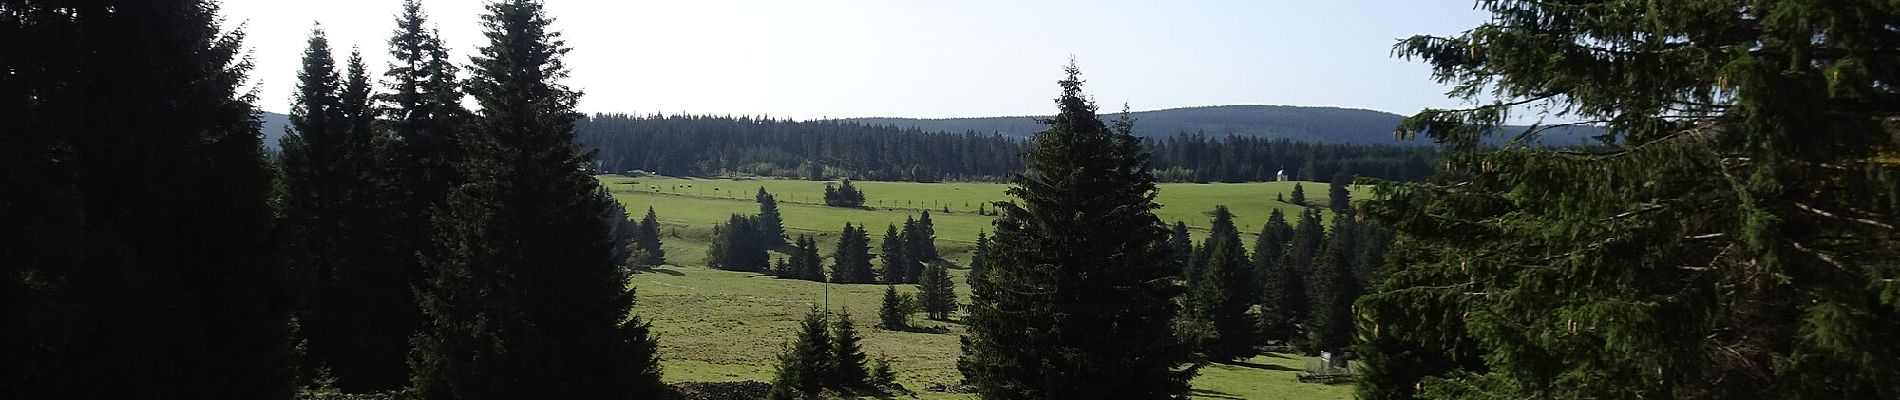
(312, 156)
(1180, 246)
(423, 107)
(1220, 296)
(895, 268)
(771, 226)
(359, 312)
(1338, 196)
(1333, 287)
(893, 314)
(1279, 283)
(978, 257)
(805, 364)
(1292, 297)
(805, 262)
(851, 260)
(525, 288)
(1309, 238)
(924, 243)
(918, 251)
(1080, 299)
(623, 233)
(938, 292)
(648, 240)
(847, 354)
(364, 341)
(1335, 282)
(1299, 194)
(137, 231)
(1732, 237)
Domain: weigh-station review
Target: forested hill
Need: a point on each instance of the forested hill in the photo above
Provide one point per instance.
(1297, 123)
(829, 149)
(273, 128)
(1190, 145)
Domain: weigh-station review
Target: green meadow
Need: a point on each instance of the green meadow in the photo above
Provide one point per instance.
(691, 206)
(719, 325)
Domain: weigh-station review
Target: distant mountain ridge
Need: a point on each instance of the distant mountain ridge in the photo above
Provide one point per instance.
(1297, 123)
(273, 127)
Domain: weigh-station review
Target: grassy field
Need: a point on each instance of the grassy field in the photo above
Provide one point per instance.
(690, 207)
(716, 325)
(719, 325)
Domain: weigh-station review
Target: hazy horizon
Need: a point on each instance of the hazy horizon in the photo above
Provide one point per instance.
(849, 59)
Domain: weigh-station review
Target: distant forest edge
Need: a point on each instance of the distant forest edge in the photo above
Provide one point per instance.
(831, 149)
(1239, 143)
(1297, 123)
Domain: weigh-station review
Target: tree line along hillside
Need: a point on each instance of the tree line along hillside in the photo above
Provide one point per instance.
(750, 146)
(1313, 124)
(1298, 123)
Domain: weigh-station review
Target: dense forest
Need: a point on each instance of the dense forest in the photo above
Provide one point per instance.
(706, 145)
(1307, 124)
(1333, 125)
(709, 145)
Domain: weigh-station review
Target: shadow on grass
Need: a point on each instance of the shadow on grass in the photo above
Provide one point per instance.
(1214, 394)
(1269, 367)
(919, 329)
(661, 271)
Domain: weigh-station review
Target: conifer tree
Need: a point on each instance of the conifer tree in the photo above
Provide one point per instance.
(1733, 235)
(1220, 295)
(978, 264)
(1333, 288)
(896, 258)
(1280, 285)
(806, 262)
(736, 246)
(938, 292)
(782, 267)
(311, 164)
(851, 260)
(882, 377)
(648, 240)
(805, 364)
(137, 221)
(847, 355)
(924, 244)
(771, 227)
(622, 232)
(916, 256)
(423, 106)
(1080, 299)
(406, 164)
(850, 194)
(340, 193)
(1299, 194)
(1180, 246)
(843, 195)
(525, 288)
(893, 313)
(1309, 237)
(1338, 198)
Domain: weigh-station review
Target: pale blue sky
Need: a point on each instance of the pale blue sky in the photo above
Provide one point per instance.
(843, 58)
